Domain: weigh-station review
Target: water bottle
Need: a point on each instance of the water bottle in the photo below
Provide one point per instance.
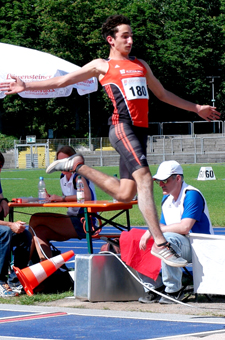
(80, 190)
(41, 190)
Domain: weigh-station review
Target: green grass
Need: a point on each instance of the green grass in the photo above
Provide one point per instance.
(23, 183)
(35, 299)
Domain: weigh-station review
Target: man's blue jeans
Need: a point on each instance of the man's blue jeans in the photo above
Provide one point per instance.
(8, 240)
(172, 276)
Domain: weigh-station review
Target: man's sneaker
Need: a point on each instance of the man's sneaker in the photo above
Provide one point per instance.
(179, 296)
(6, 291)
(168, 255)
(14, 283)
(69, 164)
(151, 297)
(17, 289)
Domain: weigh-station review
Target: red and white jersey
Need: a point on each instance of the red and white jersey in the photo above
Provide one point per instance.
(126, 86)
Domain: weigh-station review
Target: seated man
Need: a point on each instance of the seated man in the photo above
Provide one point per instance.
(59, 227)
(12, 234)
(184, 210)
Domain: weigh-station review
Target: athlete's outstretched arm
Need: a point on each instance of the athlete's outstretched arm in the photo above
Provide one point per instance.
(206, 112)
(92, 69)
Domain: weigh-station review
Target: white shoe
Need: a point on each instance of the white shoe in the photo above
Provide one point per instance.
(69, 164)
(6, 291)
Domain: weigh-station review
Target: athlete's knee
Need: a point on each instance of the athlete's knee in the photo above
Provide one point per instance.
(127, 190)
(125, 197)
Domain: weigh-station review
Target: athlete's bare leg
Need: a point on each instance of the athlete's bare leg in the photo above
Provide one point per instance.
(146, 202)
(122, 190)
(125, 189)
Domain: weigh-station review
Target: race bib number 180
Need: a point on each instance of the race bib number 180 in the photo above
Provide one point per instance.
(135, 88)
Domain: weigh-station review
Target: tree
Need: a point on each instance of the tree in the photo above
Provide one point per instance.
(182, 40)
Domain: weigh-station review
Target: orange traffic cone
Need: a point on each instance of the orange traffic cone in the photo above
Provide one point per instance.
(32, 276)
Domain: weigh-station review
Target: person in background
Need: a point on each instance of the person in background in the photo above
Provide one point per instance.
(126, 81)
(184, 211)
(59, 227)
(12, 235)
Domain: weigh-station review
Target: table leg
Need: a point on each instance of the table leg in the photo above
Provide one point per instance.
(11, 219)
(11, 214)
(128, 219)
(111, 222)
(88, 231)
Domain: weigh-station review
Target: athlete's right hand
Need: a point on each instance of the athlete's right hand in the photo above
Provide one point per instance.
(11, 87)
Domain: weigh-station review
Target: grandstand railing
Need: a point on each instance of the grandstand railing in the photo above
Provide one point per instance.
(190, 148)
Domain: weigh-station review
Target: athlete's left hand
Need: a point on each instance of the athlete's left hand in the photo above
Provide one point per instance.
(208, 112)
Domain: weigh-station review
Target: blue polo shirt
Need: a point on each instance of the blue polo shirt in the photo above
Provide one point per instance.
(190, 204)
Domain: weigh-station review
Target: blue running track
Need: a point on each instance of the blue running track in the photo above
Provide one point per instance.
(68, 324)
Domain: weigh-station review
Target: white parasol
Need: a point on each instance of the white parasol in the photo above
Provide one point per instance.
(30, 65)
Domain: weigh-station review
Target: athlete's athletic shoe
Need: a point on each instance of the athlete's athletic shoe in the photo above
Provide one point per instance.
(69, 164)
(168, 255)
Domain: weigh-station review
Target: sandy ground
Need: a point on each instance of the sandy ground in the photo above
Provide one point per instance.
(202, 307)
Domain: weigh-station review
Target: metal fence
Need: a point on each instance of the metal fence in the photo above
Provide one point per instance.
(186, 128)
(184, 148)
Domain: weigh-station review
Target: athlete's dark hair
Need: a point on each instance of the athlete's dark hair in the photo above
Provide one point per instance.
(110, 25)
(68, 150)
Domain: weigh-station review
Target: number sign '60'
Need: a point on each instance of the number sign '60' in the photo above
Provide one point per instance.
(206, 173)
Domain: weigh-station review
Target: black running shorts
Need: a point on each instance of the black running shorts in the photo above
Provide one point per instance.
(130, 142)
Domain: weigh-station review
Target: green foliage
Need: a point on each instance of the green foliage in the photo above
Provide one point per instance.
(182, 41)
(6, 142)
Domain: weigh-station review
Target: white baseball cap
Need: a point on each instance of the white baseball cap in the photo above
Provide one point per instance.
(167, 169)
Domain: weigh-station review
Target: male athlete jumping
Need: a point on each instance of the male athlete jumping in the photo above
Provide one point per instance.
(126, 81)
